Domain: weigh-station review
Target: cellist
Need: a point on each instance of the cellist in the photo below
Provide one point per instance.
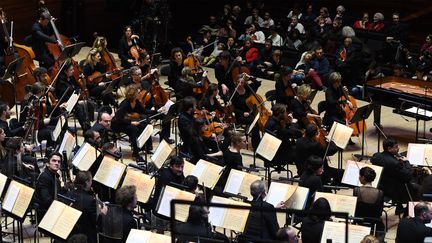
(300, 106)
(41, 34)
(243, 113)
(128, 41)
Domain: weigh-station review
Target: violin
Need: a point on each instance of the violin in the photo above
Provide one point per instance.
(97, 76)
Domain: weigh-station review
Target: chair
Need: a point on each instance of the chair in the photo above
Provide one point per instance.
(322, 106)
(271, 96)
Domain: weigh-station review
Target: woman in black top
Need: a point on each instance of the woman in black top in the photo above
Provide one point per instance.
(333, 102)
(313, 224)
(209, 100)
(300, 106)
(128, 40)
(311, 177)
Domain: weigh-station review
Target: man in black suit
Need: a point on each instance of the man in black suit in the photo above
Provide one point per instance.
(185, 122)
(261, 225)
(103, 126)
(414, 229)
(397, 173)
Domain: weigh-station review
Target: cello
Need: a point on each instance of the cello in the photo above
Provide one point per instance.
(348, 112)
(255, 102)
(108, 60)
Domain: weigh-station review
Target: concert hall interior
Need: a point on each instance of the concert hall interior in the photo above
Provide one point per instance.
(264, 121)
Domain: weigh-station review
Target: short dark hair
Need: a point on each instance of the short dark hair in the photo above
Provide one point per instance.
(286, 70)
(3, 107)
(314, 162)
(311, 130)
(389, 142)
(191, 182)
(55, 153)
(175, 160)
(368, 173)
(100, 113)
(125, 195)
(279, 109)
(78, 238)
(44, 15)
(420, 208)
(14, 143)
(81, 178)
(188, 102)
(196, 215)
(321, 209)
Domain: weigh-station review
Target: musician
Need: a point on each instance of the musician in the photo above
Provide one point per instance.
(223, 75)
(397, 174)
(93, 66)
(300, 106)
(13, 128)
(48, 184)
(173, 173)
(287, 234)
(414, 229)
(203, 147)
(242, 111)
(311, 177)
(333, 102)
(187, 82)
(41, 34)
(280, 125)
(197, 225)
(127, 41)
(285, 85)
(126, 197)
(66, 85)
(3, 151)
(85, 202)
(103, 126)
(309, 145)
(176, 67)
(209, 101)
(313, 224)
(124, 120)
(16, 164)
(261, 225)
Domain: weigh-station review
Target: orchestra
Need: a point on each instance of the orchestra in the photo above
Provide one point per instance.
(77, 122)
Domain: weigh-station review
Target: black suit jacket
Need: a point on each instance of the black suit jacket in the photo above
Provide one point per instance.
(41, 36)
(412, 230)
(47, 185)
(261, 225)
(86, 203)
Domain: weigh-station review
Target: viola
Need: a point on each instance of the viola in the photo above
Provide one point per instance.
(213, 128)
(97, 76)
(348, 112)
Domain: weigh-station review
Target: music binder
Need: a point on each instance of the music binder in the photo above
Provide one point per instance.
(144, 236)
(170, 193)
(60, 219)
(144, 184)
(68, 143)
(419, 154)
(352, 173)
(161, 154)
(110, 172)
(239, 182)
(268, 146)
(145, 135)
(207, 173)
(85, 157)
(294, 197)
(340, 134)
(339, 203)
(17, 199)
(228, 218)
(335, 232)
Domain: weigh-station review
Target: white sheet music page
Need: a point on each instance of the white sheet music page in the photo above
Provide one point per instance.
(234, 182)
(11, 196)
(165, 203)
(68, 143)
(268, 146)
(72, 102)
(217, 214)
(145, 135)
(161, 154)
(340, 134)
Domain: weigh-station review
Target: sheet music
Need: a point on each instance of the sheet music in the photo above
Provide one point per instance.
(3, 181)
(142, 182)
(217, 214)
(234, 182)
(145, 135)
(165, 202)
(207, 173)
(182, 210)
(248, 179)
(268, 146)
(339, 203)
(66, 222)
(298, 200)
(235, 219)
(167, 106)
(11, 197)
(340, 134)
(58, 128)
(114, 176)
(144, 236)
(85, 157)
(67, 144)
(23, 201)
(161, 154)
(352, 172)
(419, 154)
(411, 206)
(72, 102)
(252, 125)
(336, 232)
(188, 168)
(199, 169)
(109, 172)
(51, 216)
(279, 192)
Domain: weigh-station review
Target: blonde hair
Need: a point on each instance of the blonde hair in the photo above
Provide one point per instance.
(303, 90)
(334, 77)
(92, 53)
(369, 239)
(100, 43)
(132, 92)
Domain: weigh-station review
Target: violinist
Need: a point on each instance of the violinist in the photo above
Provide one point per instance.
(129, 40)
(285, 85)
(41, 34)
(397, 174)
(210, 102)
(151, 106)
(223, 75)
(242, 112)
(281, 125)
(107, 59)
(176, 67)
(129, 119)
(301, 109)
(94, 68)
(202, 147)
(66, 82)
(187, 82)
(309, 145)
(185, 122)
(13, 128)
(17, 162)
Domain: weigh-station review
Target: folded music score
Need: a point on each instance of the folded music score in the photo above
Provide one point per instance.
(85, 157)
(419, 154)
(144, 236)
(68, 143)
(17, 199)
(72, 102)
(293, 196)
(228, 218)
(268, 146)
(60, 219)
(352, 173)
(110, 172)
(170, 193)
(238, 183)
(340, 134)
(335, 231)
(58, 128)
(161, 154)
(145, 135)
(143, 182)
(188, 168)
(339, 203)
(207, 173)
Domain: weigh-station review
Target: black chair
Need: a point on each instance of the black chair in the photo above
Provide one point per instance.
(271, 96)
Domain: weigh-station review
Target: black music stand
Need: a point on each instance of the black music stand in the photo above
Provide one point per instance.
(111, 86)
(10, 73)
(362, 113)
(71, 51)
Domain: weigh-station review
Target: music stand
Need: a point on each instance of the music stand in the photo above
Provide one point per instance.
(71, 51)
(111, 86)
(10, 73)
(362, 113)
